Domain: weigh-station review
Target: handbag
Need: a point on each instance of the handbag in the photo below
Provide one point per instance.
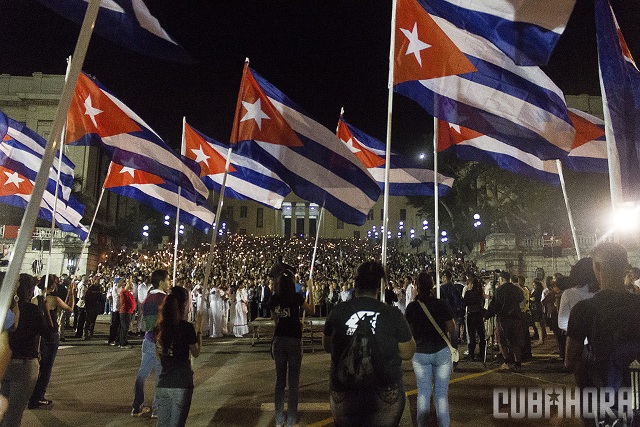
(455, 355)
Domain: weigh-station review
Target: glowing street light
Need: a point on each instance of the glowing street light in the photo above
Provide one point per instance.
(476, 223)
(445, 237)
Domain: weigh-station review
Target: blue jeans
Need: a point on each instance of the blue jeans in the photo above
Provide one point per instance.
(173, 406)
(433, 370)
(377, 406)
(148, 363)
(17, 385)
(287, 353)
(48, 352)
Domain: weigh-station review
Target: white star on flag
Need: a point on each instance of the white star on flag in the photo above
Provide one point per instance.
(415, 44)
(200, 156)
(13, 178)
(455, 127)
(127, 169)
(351, 145)
(90, 111)
(254, 111)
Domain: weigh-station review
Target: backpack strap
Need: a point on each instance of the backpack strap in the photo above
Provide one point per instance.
(435, 325)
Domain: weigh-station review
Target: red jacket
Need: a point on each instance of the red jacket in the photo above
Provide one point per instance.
(127, 302)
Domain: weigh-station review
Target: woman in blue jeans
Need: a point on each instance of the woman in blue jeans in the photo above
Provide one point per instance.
(432, 360)
(285, 305)
(176, 339)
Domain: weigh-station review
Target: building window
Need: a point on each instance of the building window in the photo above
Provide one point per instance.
(370, 215)
(340, 225)
(228, 214)
(403, 214)
(381, 214)
(260, 218)
(243, 211)
(356, 234)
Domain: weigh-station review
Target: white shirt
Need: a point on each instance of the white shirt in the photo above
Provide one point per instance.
(570, 298)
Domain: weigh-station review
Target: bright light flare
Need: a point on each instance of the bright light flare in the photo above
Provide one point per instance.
(626, 218)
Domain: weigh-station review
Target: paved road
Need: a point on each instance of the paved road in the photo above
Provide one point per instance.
(92, 385)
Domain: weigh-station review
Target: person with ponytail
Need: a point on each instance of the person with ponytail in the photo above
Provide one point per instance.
(176, 339)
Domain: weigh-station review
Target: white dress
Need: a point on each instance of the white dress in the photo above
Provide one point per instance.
(240, 326)
(217, 312)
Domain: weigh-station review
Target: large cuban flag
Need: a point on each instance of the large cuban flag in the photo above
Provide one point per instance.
(462, 77)
(97, 117)
(620, 85)
(406, 177)
(162, 196)
(246, 179)
(589, 151)
(127, 23)
(271, 129)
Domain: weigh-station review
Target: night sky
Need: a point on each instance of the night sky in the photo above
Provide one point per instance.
(324, 55)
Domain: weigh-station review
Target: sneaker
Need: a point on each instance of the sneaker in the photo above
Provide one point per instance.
(504, 368)
(140, 412)
(112, 343)
(125, 346)
(154, 415)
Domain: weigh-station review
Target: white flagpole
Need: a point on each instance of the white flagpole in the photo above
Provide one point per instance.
(387, 166)
(435, 207)
(207, 270)
(315, 246)
(183, 149)
(566, 203)
(93, 220)
(31, 213)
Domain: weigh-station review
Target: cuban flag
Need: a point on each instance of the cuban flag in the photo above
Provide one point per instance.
(620, 86)
(16, 189)
(97, 117)
(589, 152)
(463, 78)
(157, 193)
(406, 177)
(246, 179)
(21, 150)
(127, 23)
(470, 145)
(3, 125)
(272, 130)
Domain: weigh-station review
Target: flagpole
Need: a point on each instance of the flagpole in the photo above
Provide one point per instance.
(566, 203)
(315, 246)
(93, 220)
(436, 202)
(31, 213)
(385, 202)
(207, 270)
(175, 240)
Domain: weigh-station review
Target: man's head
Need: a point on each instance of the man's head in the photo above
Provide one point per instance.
(160, 280)
(610, 265)
(447, 276)
(504, 277)
(368, 277)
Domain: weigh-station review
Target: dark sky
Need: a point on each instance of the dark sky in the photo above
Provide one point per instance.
(323, 54)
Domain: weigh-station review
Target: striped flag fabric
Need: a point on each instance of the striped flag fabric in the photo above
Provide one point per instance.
(97, 117)
(620, 86)
(589, 152)
(526, 31)
(160, 195)
(21, 149)
(406, 177)
(127, 23)
(246, 179)
(272, 130)
(484, 89)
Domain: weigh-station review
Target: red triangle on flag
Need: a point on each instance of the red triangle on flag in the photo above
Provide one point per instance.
(585, 130)
(201, 151)
(422, 50)
(257, 118)
(12, 183)
(120, 176)
(452, 134)
(92, 111)
(368, 159)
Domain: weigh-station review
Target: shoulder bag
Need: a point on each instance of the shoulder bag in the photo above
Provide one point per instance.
(455, 355)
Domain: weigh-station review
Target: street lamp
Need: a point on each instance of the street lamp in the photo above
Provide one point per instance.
(166, 219)
(445, 237)
(181, 229)
(476, 220)
(412, 233)
(145, 231)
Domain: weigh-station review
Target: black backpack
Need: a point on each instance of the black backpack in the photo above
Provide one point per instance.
(361, 363)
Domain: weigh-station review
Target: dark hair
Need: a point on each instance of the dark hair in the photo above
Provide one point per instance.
(157, 277)
(26, 286)
(285, 284)
(582, 275)
(51, 284)
(505, 275)
(425, 285)
(368, 276)
(447, 274)
(170, 312)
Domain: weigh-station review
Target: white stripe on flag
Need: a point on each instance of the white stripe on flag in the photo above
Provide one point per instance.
(171, 198)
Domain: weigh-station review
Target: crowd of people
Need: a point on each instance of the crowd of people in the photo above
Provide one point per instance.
(253, 277)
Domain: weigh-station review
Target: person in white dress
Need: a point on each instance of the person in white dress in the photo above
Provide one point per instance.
(217, 312)
(240, 325)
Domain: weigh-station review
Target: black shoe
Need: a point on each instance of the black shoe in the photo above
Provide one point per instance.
(40, 404)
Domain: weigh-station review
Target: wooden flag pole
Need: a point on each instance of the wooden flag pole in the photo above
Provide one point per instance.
(31, 213)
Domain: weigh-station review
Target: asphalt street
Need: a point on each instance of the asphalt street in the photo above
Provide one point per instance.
(92, 385)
